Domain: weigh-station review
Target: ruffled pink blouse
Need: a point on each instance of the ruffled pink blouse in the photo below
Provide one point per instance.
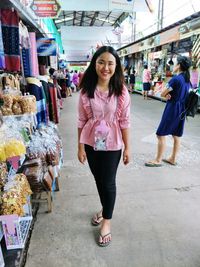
(114, 110)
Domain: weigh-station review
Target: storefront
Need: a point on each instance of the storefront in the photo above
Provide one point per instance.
(30, 146)
(160, 50)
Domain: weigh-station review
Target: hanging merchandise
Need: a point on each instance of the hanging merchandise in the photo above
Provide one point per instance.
(25, 44)
(10, 33)
(35, 88)
(26, 62)
(33, 54)
(2, 57)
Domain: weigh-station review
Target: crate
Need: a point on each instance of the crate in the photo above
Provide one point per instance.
(16, 228)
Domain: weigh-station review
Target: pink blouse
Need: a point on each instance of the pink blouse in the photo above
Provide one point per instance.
(114, 110)
(146, 76)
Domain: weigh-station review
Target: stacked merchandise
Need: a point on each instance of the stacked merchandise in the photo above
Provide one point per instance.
(20, 70)
(30, 146)
(30, 160)
(15, 211)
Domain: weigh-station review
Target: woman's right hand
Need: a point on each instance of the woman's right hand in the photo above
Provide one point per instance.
(168, 97)
(81, 155)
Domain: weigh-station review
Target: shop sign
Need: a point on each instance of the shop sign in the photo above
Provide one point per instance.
(157, 54)
(125, 5)
(183, 29)
(170, 36)
(46, 47)
(46, 8)
(25, 2)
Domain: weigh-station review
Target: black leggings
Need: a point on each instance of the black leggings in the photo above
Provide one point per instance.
(103, 165)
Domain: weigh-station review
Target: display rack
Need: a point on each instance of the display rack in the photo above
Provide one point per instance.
(16, 228)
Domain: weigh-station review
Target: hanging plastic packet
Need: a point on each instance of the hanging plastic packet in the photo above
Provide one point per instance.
(100, 136)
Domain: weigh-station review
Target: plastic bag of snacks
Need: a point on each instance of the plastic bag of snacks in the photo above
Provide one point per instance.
(28, 104)
(3, 174)
(14, 147)
(15, 195)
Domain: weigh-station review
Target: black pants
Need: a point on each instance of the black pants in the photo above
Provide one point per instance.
(103, 165)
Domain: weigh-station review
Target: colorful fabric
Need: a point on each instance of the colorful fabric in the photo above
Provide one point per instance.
(114, 111)
(10, 33)
(26, 62)
(38, 92)
(24, 39)
(53, 103)
(2, 57)
(33, 55)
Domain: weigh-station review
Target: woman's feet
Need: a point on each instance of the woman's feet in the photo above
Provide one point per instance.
(170, 161)
(153, 163)
(105, 234)
(97, 218)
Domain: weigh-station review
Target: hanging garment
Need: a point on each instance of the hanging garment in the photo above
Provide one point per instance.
(53, 103)
(10, 33)
(33, 55)
(35, 88)
(26, 62)
(24, 39)
(2, 57)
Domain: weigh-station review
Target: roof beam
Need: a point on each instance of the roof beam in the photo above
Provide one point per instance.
(74, 14)
(94, 18)
(106, 18)
(82, 18)
(121, 18)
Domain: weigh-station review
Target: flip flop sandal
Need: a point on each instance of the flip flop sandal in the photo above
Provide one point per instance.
(169, 162)
(101, 244)
(151, 164)
(95, 219)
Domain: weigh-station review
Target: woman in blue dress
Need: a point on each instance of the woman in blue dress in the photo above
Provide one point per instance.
(176, 92)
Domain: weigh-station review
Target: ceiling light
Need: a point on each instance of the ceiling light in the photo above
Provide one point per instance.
(63, 20)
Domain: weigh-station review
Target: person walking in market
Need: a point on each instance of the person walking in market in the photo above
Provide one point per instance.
(103, 130)
(146, 79)
(132, 81)
(172, 123)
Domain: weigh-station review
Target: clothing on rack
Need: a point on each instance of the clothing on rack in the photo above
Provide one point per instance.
(24, 39)
(10, 34)
(33, 55)
(53, 103)
(35, 88)
(2, 57)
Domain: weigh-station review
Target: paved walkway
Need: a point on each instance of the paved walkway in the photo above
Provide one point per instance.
(156, 221)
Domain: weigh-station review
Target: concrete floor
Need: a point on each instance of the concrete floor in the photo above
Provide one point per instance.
(156, 221)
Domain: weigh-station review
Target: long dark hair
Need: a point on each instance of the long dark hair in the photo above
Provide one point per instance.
(185, 64)
(89, 81)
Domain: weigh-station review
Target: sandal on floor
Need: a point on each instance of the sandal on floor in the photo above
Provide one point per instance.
(96, 219)
(102, 244)
(152, 164)
(169, 162)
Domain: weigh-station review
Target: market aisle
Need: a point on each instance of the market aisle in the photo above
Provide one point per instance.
(156, 220)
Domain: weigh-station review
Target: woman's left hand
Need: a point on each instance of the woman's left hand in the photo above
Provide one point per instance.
(126, 156)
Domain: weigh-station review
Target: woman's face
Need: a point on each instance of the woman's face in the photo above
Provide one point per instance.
(105, 66)
(176, 68)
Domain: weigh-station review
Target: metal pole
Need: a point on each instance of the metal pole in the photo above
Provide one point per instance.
(162, 13)
(158, 23)
(134, 28)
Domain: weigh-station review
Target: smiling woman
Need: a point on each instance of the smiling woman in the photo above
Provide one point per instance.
(105, 67)
(103, 130)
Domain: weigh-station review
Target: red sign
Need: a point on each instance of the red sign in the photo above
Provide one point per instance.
(46, 8)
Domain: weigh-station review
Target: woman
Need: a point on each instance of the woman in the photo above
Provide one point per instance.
(132, 81)
(146, 79)
(172, 123)
(103, 129)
